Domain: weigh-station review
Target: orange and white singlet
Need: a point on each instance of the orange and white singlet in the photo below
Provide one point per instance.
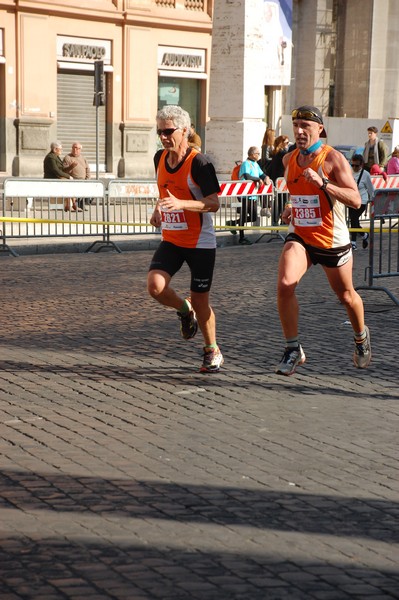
(317, 217)
(186, 228)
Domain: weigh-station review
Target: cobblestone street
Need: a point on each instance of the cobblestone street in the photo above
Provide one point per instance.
(126, 474)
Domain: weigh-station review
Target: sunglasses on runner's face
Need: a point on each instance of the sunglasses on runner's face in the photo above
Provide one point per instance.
(308, 115)
(167, 132)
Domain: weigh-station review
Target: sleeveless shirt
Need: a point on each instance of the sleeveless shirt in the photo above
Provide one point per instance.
(317, 217)
(184, 228)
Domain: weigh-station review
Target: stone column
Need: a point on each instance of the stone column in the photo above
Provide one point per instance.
(236, 91)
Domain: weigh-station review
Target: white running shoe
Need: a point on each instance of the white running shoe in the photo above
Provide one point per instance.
(292, 358)
(362, 353)
(213, 360)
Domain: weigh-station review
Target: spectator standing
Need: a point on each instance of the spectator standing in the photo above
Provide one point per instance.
(78, 167)
(392, 167)
(251, 171)
(321, 184)
(375, 151)
(367, 193)
(54, 169)
(52, 164)
(276, 167)
(188, 190)
(267, 148)
(194, 140)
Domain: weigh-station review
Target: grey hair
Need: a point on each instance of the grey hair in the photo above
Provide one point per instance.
(178, 115)
(252, 149)
(56, 144)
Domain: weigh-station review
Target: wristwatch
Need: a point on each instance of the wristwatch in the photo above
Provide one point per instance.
(325, 182)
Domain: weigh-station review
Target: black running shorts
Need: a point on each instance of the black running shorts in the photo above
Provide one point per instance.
(201, 262)
(327, 257)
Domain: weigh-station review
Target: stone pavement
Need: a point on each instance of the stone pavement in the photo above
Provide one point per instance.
(126, 474)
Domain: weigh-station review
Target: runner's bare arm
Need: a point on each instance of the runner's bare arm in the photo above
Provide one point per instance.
(156, 218)
(342, 185)
(208, 204)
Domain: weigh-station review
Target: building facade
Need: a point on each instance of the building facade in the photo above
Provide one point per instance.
(344, 59)
(152, 52)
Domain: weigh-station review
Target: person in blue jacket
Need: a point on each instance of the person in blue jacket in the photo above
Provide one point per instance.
(249, 170)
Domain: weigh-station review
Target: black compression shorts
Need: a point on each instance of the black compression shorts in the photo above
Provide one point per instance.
(327, 257)
(201, 261)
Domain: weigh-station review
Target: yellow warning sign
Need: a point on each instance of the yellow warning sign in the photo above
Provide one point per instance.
(387, 128)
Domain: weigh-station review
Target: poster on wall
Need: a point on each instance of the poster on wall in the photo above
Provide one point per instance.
(169, 93)
(277, 44)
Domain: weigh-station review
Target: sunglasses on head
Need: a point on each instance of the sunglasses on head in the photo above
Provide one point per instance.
(167, 132)
(308, 115)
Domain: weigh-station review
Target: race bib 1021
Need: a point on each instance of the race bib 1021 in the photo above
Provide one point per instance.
(173, 219)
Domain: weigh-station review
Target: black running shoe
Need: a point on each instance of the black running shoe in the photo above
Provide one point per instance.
(188, 323)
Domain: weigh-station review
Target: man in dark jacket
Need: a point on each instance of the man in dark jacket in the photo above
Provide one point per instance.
(54, 169)
(52, 164)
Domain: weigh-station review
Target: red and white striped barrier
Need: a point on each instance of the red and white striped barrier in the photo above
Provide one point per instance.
(380, 183)
(243, 188)
(281, 185)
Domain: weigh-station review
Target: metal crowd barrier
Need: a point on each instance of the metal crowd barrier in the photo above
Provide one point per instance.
(384, 240)
(247, 205)
(35, 208)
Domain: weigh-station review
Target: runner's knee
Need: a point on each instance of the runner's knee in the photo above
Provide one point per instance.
(285, 288)
(347, 297)
(156, 285)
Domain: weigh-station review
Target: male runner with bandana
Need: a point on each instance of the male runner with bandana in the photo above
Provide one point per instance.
(321, 184)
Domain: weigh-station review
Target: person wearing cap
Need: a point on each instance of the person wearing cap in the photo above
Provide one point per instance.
(321, 185)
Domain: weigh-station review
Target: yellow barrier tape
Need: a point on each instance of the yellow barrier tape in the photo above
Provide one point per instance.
(124, 224)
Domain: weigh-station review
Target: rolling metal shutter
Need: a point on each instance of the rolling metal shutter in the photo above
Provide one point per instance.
(77, 116)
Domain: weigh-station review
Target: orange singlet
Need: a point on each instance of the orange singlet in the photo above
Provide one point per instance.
(317, 217)
(184, 228)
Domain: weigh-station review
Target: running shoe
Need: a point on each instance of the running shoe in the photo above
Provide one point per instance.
(362, 353)
(365, 241)
(292, 358)
(354, 246)
(188, 323)
(213, 360)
